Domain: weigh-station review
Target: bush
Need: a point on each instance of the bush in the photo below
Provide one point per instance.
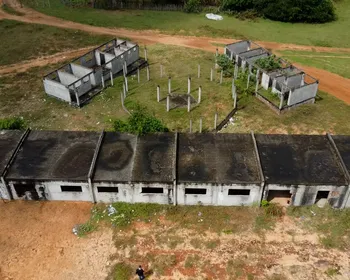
(192, 6)
(237, 5)
(269, 63)
(12, 123)
(310, 11)
(140, 122)
(225, 64)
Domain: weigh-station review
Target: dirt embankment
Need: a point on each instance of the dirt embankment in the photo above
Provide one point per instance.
(329, 82)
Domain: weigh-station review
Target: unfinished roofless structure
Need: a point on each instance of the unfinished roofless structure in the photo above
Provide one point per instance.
(175, 168)
(282, 88)
(78, 81)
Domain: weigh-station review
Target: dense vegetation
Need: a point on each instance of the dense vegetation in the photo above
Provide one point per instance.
(140, 122)
(12, 123)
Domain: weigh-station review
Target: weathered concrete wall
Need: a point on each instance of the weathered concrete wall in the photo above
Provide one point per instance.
(210, 198)
(239, 47)
(57, 89)
(109, 56)
(3, 192)
(251, 60)
(82, 86)
(66, 78)
(265, 81)
(80, 71)
(225, 198)
(302, 195)
(167, 197)
(295, 81)
(302, 93)
(123, 192)
(251, 53)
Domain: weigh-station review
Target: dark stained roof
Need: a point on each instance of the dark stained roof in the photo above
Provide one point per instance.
(115, 159)
(154, 158)
(299, 159)
(343, 144)
(9, 140)
(217, 158)
(60, 155)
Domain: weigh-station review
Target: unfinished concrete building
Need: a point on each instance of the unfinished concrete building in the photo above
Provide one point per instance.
(289, 86)
(218, 169)
(172, 168)
(53, 165)
(84, 77)
(302, 170)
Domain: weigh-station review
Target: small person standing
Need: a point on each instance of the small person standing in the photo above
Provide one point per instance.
(139, 272)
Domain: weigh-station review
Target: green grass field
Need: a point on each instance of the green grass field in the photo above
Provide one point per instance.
(21, 41)
(338, 63)
(334, 34)
(27, 99)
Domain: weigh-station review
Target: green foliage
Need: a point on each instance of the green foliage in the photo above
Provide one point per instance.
(140, 122)
(269, 63)
(8, 9)
(122, 271)
(237, 5)
(265, 203)
(225, 64)
(192, 6)
(311, 11)
(12, 123)
(88, 227)
(333, 271)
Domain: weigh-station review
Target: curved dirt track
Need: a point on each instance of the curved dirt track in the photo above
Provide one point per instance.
(329, 82)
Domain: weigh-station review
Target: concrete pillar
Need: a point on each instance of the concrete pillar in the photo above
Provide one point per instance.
(257, 81)
(169, 85)
(235, 73)
(168, 103)
(76, 95)
(199, 94)
(221, 76)
(216, 58)
(281, 101)
(217, 52)
(126, 84)
(158, 93)
(124, 90)
(200, 125)
(148, 78)
(215, 120)
(233, 89)
(161, 70)
(188, 104)
(111, 75)
(138, 74)
(103, 81)
(235, 100)
(189, 85)
(248, 80)
(145, 53)
(211, 74)
(124, 74)
(126, 68)
(190, 125)
(199, 71)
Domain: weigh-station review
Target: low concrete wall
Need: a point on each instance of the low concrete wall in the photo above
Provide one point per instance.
(303, 93)
(167, 197)
(295, 81)
(56, 89)
(272, 106)
(66, 78)
(3, 192)
(210, 198)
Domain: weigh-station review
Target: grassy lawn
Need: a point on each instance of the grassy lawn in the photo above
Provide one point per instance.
(27, 99)
(334, 34)
(338, 63)
(21, 41)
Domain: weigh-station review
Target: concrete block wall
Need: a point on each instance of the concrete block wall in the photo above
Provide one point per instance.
(57, 90)
(303, 93)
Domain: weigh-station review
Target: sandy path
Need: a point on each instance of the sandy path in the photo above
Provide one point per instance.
(331, 83)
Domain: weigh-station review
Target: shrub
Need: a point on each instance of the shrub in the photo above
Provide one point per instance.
(12, 123)
(311, 11)
(237, 5)
(269, 63)
(192, 6)
(225, 64)
(140, 122)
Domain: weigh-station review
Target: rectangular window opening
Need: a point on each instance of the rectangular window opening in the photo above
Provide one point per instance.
(26, 189)
(279, 196)
(152, 190)
(107, 189)
(195, 191)
(322, 195)
(238, 192)
(71, 189)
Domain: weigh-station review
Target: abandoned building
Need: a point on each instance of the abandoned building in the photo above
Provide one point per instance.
(78, 81)
(302, 170)
(218, 169)
(53, 165)
(135, 168)
(175, 168)
(281, 89)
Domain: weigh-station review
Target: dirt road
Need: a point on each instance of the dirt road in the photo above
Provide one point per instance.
(331, 83)
(36, 242)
